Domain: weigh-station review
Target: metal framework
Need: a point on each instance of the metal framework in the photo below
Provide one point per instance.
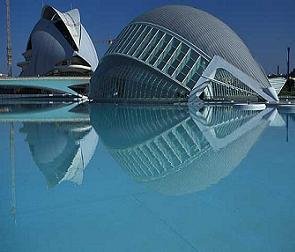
(162, 51)
(221, 79)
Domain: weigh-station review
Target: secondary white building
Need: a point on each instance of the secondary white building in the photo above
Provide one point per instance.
(59, 45)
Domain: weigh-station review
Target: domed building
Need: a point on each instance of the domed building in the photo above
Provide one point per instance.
(174, 53)
(59, 45)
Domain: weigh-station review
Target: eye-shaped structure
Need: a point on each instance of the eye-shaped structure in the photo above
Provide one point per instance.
(176, 52)
(59, 45)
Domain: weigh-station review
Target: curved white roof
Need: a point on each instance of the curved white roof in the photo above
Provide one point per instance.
(207, 33)
(57, 37)
(71, 19)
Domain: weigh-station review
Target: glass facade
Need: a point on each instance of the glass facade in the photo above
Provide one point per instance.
(127, 80)
(147, 62)
(228, 87)
(196, 51)
(161, 51)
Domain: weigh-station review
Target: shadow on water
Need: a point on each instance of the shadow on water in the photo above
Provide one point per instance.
(178, 150)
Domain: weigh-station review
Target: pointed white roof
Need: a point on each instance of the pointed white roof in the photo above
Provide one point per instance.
(71, 19)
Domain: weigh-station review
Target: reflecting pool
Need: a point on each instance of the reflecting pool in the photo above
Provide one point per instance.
(98, 177)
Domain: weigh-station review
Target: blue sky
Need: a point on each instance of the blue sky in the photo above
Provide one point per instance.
(266, 26)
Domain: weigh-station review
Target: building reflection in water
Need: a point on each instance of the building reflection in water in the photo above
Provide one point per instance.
(61, 148)
(178, 150)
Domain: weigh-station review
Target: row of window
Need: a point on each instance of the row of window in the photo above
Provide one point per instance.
(162, 51)
(129, 81)
(233, 88)
(176, 59)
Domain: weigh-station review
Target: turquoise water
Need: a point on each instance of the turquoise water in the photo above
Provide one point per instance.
(146, 178)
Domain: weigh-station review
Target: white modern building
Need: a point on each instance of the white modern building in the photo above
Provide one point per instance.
(59, 45)
(174, 53)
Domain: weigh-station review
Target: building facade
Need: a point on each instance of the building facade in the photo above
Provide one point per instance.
(176, 53)
(59, 45)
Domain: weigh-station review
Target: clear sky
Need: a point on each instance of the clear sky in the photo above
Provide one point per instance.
(266, 26)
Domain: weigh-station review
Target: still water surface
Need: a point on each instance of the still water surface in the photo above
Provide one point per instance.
(146, 178)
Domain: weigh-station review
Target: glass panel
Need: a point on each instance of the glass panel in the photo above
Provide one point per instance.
(202, 66)
(119, 39)
(171, 69)
(190, 62)
(125, 38)
(149, 40)
(175, 63)
(195, 77)
(185, 70)
(152, 46)
(142, 39)
(160, 49)
(194, 56)
(166, 53)
(133, 39)
(180, 77)
(165, 59)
